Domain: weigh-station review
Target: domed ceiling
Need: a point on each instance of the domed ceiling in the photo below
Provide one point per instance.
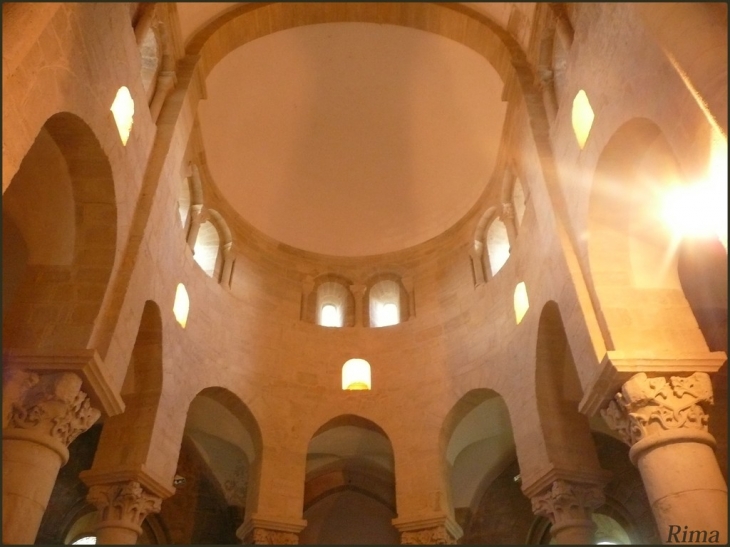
(352, 139)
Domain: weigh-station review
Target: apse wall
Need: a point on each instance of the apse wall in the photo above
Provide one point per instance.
(251, 338)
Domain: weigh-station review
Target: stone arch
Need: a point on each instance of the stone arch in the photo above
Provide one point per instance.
(633, 267)
(141, 395)
(312, 299)
(349, 470)
(477, 444)
(223, 428)
(70, 235)
(239, 26)
(566, 432)
(402, 297)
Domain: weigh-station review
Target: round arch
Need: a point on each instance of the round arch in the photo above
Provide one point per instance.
(70, 233)
(633, 265)
(349, 493)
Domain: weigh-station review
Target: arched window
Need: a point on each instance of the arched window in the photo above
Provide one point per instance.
(497, 246)
(385, 303)
(331, 302)
(518, 201)
(207, 247)
(356, 375)
(149, 51)
(181, 306)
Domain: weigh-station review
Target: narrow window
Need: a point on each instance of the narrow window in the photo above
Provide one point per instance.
(497, 245)
(330, 316)
(182, 305)
(331, 304)
(356, 375)
(86, 540)
(582, 118)
(123, 111)
(207, 246)
(385, 299)
(521, 302)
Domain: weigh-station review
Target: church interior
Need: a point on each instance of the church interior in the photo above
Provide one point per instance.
(364, 273)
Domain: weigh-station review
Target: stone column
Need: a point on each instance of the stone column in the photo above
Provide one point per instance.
(197, 217)
(229, 259)
(48, 413)
(122, 508)
(476, 253)
(437, 529)
(258, 530)
(409, 286)
(165, 83)
(358, 292)
(508, 217)
(569, 506)
(665, 423)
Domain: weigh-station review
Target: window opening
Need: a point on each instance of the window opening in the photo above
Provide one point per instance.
(356, 375)
(385, 303)
(181, 307)
(123, 111)
(330, 316)
(521, 303)
(497, 245)
(582, 117)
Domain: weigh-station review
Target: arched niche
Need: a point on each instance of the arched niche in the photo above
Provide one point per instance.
(349, 493)
(384, 290)
(220, 459)
(62, 205)
(633, 262)
(330, 290)
(477, 444)
(126, 438)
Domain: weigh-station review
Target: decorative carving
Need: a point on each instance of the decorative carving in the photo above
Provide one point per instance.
(568, 501)
(508, 211)
(55, 405)
(127, 502)
(436, 535)
(645, 406)
(264, 536)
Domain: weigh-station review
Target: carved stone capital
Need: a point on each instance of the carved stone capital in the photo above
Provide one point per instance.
(123, 503)
(437, 535)
(264, 536)
(430, 529)
(567, 501)
(508, 211)
(53, 405)
(269, 530)
(646, 406)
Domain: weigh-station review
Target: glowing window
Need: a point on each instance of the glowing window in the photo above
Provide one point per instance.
(518, 201)
(385, 303)
(182, 305)
(86, 540)
(356, 375)
(123, 111)
(207, 245)
(332, 300)
(497, 245)
(582, 117)
(330, 316)
(521, 302)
